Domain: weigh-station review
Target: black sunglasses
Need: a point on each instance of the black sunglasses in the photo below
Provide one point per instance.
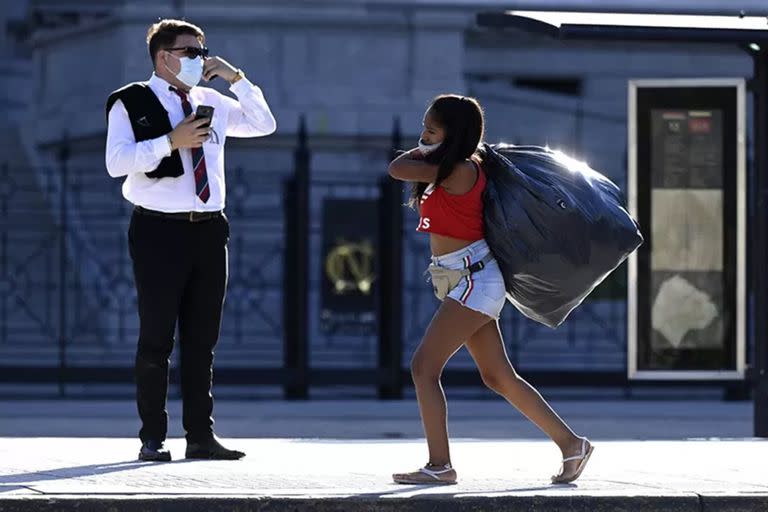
(191, 51)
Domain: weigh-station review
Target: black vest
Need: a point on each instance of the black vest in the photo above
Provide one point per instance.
(149, 120)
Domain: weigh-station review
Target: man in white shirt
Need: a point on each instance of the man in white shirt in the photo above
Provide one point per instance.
(173, 166)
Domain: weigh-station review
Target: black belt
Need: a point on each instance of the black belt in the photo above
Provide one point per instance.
(480, 265)
(186, 216)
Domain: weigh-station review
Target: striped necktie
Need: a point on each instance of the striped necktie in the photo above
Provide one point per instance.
(202, 189)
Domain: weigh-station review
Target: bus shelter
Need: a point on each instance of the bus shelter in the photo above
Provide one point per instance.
(704, 261)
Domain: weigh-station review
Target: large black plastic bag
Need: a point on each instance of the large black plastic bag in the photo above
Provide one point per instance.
(556, 227)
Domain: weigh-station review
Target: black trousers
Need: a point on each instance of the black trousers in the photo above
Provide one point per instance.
(180, 269)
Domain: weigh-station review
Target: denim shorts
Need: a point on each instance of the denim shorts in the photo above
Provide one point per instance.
(481, 291)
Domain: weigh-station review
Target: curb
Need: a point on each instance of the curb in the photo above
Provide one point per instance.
(443, 503)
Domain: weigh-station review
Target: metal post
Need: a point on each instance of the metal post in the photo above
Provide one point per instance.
(759, 246)
(391, 281)
(289, 280)
(63, 155)
(296, 273)
(4, 222)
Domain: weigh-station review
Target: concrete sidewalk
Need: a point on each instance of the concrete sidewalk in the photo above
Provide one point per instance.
(66, 474)
(338, 456)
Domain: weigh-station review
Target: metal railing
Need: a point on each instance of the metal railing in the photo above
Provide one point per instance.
(68, 302)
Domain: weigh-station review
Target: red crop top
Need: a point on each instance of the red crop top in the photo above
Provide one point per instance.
(456, 216)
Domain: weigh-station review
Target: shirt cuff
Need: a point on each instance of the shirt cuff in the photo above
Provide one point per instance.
(243, 86)
(161, 147)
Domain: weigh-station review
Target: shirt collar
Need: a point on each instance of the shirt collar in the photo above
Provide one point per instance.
(161, 86)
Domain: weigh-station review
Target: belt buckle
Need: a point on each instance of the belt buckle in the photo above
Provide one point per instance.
(201, 216)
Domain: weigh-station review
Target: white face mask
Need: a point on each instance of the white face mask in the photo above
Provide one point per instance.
(190, 71)
(427, 148)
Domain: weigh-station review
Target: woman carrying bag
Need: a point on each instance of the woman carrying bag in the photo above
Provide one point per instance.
(448, 185)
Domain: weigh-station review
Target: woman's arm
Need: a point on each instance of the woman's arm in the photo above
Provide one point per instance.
(410, 166)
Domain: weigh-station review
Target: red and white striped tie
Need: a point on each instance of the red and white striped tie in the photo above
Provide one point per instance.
(202, 189)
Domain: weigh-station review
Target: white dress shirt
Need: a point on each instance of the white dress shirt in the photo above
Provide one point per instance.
(248, 117)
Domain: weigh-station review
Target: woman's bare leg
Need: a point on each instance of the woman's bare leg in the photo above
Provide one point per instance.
(487, 349)
(447, 332)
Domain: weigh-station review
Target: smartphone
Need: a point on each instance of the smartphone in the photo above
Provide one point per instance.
(204, 111)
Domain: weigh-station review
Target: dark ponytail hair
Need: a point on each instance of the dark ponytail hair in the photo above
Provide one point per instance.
(462, 119)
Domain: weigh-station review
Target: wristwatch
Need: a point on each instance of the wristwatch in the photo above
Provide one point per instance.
(238, 76)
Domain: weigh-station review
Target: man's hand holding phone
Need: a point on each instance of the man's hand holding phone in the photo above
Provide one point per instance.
(193, 130)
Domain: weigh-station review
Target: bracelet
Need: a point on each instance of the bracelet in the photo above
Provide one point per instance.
(238, 76)
(170, 141)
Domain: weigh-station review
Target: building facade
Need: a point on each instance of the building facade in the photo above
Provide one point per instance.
(351, 67)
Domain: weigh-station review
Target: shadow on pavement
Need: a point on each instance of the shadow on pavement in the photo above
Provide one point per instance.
(47, 475)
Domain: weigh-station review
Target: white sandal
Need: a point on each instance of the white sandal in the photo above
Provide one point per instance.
(425, 476)
(584, 455)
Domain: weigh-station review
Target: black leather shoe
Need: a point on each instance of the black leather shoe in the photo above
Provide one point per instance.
(212, 450)
(154, 451)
